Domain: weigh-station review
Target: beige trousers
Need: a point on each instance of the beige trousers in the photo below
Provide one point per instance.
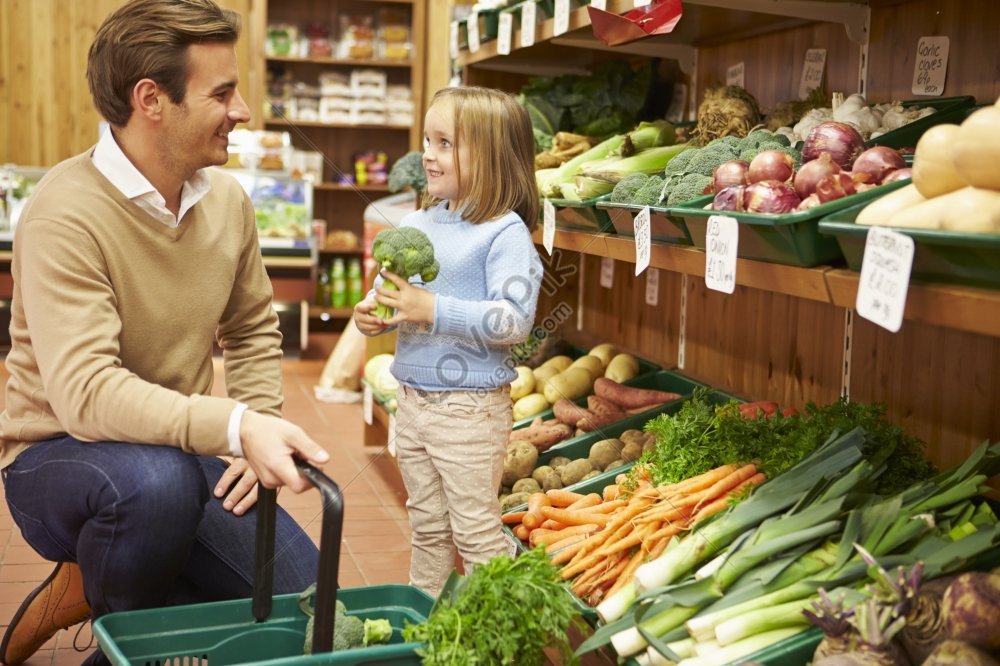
(451, 446)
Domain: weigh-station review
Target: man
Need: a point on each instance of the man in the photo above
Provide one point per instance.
(129, 261)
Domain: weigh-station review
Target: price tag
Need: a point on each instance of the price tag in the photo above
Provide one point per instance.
(472, 27)
(599, 4)
(548, 226)
(367, 405)
(642, 240)
(931, 67)
(653, 287)
(734, 75)
(641, 3)
(561, 24)
(391, 439)
(885, 277)
(513, 543)
(504, 32)
(607, 272)
(812, 72)
(721, 241)
(529, 17)
(453, 40)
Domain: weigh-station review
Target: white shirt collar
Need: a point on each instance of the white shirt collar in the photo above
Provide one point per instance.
(111, 161)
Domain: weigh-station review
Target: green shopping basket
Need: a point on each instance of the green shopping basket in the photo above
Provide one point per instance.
(266, 629)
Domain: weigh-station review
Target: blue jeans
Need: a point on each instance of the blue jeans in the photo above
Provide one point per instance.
(144, 526)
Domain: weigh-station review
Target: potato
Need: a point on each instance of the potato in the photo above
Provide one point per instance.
(631, 451)
(547, 478)
(559, 461)
(519, 462)
(591, 474)
(633, 435)
(540, 472)
(604, 451)
(523, 384)
(572, 383)
(622, 367)
(543, 375)
(605, 352)
(529, 405)
(526, 485)
(591, 364)
(560, 362)
(614, 464)
(649, 445)
(574, 471)
(514, 500)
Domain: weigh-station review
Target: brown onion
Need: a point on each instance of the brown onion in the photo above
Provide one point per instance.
(837, 186)
(810, 201)
(898, 174)
(727, 174)
(770, 196)
(812, 172)
(771, 165)
(842, 141)
(730, 198)
(878, 162)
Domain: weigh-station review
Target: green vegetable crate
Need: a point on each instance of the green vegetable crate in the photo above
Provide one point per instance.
(938, 255)
(792, 238)
(663, 227)
(582, 215)
(947, 110)
(265, 629)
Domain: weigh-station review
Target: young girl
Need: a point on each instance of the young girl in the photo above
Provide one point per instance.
(452, 361)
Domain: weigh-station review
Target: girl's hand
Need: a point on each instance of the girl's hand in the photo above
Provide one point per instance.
(366, 322)
(238, 484)
(412, 303)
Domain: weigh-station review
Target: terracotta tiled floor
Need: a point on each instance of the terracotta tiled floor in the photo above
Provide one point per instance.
(376, 541)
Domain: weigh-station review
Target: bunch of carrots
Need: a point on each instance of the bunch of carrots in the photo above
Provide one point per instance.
(600, 541)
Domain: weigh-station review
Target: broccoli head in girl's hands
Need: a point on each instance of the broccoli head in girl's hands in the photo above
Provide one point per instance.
(406, 252)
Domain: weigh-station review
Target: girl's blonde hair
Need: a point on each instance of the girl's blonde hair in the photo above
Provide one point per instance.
(501, 176)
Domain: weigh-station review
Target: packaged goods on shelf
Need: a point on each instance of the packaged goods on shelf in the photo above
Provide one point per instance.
(334, 84)
(368, 83)
(393, 25)
(357, 37)
(317, 40)
(282, 40)
(258, 149)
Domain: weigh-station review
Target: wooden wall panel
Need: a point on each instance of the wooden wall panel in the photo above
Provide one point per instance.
(939, 384)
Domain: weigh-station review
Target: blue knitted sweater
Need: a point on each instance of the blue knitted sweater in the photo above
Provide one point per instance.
(487, 290)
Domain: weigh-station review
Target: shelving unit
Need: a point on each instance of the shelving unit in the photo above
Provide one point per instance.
(788, 334)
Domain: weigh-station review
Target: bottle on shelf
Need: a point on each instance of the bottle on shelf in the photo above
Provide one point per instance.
(338, 283)
(323, 296)
(355, 282)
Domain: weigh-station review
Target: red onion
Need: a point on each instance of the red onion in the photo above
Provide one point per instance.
(835, 187)
(810, 201)
(898, 174)
(733, 172)
(772, 165)
(730, 198)
(770, 196)
(812, 172)
(878, 162)
(842, 141)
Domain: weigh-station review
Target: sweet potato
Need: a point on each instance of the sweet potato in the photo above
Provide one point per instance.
(598, 421)
(542, 436)
(603, 406)
(629, 397)
(568, 412)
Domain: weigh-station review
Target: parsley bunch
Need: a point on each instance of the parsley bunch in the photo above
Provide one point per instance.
(505, 612)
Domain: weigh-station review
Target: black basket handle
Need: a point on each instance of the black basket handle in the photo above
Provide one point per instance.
(329, 554)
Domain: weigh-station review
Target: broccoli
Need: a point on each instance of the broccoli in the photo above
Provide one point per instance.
(690, 187)
(710, 157)
(754, 139)
(729, 140)
(626, 188)
(341, 609)
(781, 138)
(377, 631)
(348, 633)
(408, 171)
(679, 163)
(649, 194)
(406, 252)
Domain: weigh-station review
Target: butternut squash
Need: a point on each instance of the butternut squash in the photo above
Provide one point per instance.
(969, 210)
(878, 212)
(976, 150)
(934, 170)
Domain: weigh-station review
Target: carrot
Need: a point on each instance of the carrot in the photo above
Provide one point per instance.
(522, 532)
(512, 518)
(727, 483)
(658, 549)
(567, 553)
(571, 540)
(533, 518)
(585, 502)
(537, 534)
(555, 535)
(663, 534)
(598, 575)
(670, 510)
(574, 517)
(612, 492)
(633, 539)
(553, 525)
(705, 480)
(626, 575)
(563, 498)
(607, 507)
(722, 503)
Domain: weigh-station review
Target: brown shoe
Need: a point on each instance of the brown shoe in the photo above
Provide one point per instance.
(58, 603)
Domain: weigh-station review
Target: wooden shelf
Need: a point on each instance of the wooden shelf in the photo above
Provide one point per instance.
(327, 313)
(333, 252)
(313, 123)
(340, 187)
(349, 62)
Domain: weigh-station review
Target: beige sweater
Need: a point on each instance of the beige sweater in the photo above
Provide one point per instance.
(114, 315)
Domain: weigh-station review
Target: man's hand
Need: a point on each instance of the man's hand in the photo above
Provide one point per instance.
(270, 442)
(238, 484)
(413, 304)
(366, 322)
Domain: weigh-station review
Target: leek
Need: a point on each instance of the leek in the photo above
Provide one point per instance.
(649, 161)
(740, 649)
(764, 619)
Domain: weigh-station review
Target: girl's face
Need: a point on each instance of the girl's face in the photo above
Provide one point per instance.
(442, 152)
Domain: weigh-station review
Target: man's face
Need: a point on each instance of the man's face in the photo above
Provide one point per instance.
(196, 131)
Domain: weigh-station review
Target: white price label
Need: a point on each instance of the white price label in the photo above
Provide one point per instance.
(473, 31)
(513, 543)
(642, 240)
(607, 272)
(734, 75)
(721, 242)
(367, 405)
(548, 226)
(812, 72)
(653, 287)
(561, 24)
(885, 277)
(599, 4)
(529, 18)
(931, 67)
(391, 439)
(641, 3)
(504, 32)
(453, 40)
